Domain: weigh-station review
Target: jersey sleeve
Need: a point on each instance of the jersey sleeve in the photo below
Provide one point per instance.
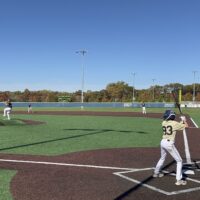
(179, 126)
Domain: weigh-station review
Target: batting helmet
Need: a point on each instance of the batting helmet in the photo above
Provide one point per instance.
(169, 115)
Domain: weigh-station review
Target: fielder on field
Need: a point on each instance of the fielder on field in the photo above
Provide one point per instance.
(30, 108)
(167, 145)
(144, 108)
(7, 109)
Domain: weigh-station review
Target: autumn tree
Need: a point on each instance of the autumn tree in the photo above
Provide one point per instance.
(119, 91)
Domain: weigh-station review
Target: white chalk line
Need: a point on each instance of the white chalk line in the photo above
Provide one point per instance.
(194, 123)
(121, 174)
(140, 183)
(187, 150)
(186, 144)
(188, 161)
(127, 170)
(69, 164)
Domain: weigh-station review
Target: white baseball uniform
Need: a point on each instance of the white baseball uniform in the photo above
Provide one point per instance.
(7, 110)
(168, 145)
(143, 109)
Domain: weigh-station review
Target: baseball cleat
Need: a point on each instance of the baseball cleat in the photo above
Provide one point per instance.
(181, 182)
(159, 175)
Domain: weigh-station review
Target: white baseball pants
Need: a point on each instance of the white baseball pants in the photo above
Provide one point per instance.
(168, 146)
(6, 112)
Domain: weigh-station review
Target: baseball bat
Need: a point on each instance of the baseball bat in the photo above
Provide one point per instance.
(176, 101)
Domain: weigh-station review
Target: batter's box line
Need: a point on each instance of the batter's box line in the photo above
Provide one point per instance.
(121, 174)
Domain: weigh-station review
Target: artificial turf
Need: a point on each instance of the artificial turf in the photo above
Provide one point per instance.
(64, 134)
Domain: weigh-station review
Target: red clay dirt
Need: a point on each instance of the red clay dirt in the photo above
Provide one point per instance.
(86, 179)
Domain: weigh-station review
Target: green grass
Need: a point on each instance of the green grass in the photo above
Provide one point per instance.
(65, 134)
(13, 122)
(5, 179)
(195, 114)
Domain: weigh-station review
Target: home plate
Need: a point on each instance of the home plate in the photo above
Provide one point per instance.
(165, 185)
(190, 172)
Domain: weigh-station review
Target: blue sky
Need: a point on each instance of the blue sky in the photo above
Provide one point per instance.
(156, 39)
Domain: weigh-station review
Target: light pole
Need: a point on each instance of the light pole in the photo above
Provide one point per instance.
(82, 53)
(153, 88)
(133, 86)
(193, 98)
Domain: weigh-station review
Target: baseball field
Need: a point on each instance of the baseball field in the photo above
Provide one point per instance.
(93, 154)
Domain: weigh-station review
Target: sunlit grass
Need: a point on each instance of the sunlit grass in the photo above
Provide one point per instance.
(66, 134)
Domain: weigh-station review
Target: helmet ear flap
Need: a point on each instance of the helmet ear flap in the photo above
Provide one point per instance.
(172, 117)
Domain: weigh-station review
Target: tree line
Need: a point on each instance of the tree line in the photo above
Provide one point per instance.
(114, 92)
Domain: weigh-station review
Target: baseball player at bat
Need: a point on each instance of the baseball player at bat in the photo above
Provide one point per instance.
(170, 126)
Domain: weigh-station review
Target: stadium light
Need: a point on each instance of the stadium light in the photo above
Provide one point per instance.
(193, 98)
(153, 88)
(133, 86)
(82, 53)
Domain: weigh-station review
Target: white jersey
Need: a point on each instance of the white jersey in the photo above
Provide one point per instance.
(170, 127)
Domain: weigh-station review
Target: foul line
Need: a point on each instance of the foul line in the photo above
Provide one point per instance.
(187, 151)
(69, 164)
(194, 123)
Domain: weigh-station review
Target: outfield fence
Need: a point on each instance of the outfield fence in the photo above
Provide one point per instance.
(92, 104)
(190, 104)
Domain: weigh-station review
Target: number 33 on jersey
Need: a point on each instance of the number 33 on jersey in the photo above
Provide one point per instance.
(170, 127)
